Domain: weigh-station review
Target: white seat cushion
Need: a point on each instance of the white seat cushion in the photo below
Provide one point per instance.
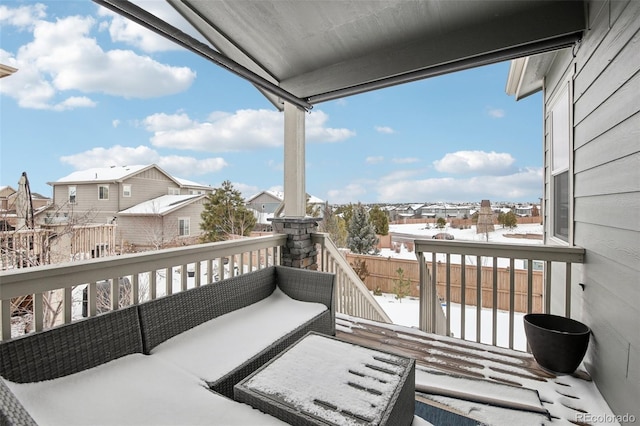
(216, 347)
(133, 390)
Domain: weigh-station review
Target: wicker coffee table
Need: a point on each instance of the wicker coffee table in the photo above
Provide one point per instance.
(321, 380)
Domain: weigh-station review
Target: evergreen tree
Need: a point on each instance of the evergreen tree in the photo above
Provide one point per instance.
(402, 285)
(380, 220)
(441, 222)
(362, 237)
(510, 220)
(335, 226)
(501, 218)
(225, 214)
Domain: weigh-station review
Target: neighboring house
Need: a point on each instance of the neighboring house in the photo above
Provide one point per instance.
(409, 211)
(8, 216)
(169, 220)
(265, 203)
(100, 195)
(445, 211)
(523, 211)
(591, 162)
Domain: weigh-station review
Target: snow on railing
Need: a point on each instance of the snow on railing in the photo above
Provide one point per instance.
(43, 296)
(352, 296)
(435, 290)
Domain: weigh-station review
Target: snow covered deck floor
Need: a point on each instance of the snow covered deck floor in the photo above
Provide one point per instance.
(490, 384)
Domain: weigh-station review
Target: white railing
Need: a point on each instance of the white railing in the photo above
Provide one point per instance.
(352, 295)
(51, 291)
(470, 256)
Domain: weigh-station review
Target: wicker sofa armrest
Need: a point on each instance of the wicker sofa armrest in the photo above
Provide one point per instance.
(308, 286)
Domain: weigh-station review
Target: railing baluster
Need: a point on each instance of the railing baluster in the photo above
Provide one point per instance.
(135, 289)
(478, 298)
(512, 298)
(433, 293)
(115, 293)
(567, 296)
(198, 274)
(529, 286)
(5, 314)
(494, 308)
(183, 277)
(448, 294)
(463, 296)
(547, 287)
(67, 307)
(169, 281)
(153, 279)
(38, 311)
(92, 297)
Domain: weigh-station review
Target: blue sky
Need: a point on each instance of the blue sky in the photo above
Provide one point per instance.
(94, 90)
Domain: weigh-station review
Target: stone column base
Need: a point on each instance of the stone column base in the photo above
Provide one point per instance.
(299, 252)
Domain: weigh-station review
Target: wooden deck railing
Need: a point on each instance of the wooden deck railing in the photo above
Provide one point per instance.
(437, 252)
(48, 294)
(352, 296)
(61, 293)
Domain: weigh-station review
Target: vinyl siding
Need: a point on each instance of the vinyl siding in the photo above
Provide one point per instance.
(606, 189)
(148, 231)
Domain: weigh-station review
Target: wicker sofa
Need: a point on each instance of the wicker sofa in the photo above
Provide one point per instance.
(173, 360)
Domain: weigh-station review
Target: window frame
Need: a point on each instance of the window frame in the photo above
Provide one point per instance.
(126, 190)
(173, 191)
(72, 192)
(181, 227)
(561, 164)
(100, 193)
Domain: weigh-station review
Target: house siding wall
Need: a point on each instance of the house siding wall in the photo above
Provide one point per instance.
(148, 232)
(606, 173)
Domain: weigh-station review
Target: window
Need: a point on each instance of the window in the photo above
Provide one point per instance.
(560, 160)
(174, 191)
(126, 190)
(103, 192)
(183, 226)
(72, 195)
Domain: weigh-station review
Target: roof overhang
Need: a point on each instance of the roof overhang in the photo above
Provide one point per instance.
(307, 52)
(6, 70)
(526, 75)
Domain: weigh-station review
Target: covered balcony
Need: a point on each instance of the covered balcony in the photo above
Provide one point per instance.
(365, 46)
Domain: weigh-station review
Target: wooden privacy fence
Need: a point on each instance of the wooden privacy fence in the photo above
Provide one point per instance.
(382, 272)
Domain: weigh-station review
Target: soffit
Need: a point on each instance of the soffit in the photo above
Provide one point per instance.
(322, 50)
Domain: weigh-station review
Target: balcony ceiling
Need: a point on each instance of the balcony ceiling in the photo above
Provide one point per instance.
(313, 51)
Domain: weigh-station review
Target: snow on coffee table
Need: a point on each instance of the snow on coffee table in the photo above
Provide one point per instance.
(322, 380)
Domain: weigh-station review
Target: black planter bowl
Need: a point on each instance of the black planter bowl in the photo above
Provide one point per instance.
(558, 344)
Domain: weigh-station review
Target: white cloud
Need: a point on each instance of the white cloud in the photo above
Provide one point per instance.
(495, 112)
(478, 162)
(524, 184)
(63, 56)
(23, 16)
(374, 160)
(406, 160)
(348, 194)
(180, 166)
(384, 129)
(245, 129)
(115, 123)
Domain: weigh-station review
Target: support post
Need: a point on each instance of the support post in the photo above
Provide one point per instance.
(295, 196)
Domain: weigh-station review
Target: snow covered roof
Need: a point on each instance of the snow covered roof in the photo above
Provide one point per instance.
(190, 183)
(102, 174)
(161, 205)
(280, 196)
